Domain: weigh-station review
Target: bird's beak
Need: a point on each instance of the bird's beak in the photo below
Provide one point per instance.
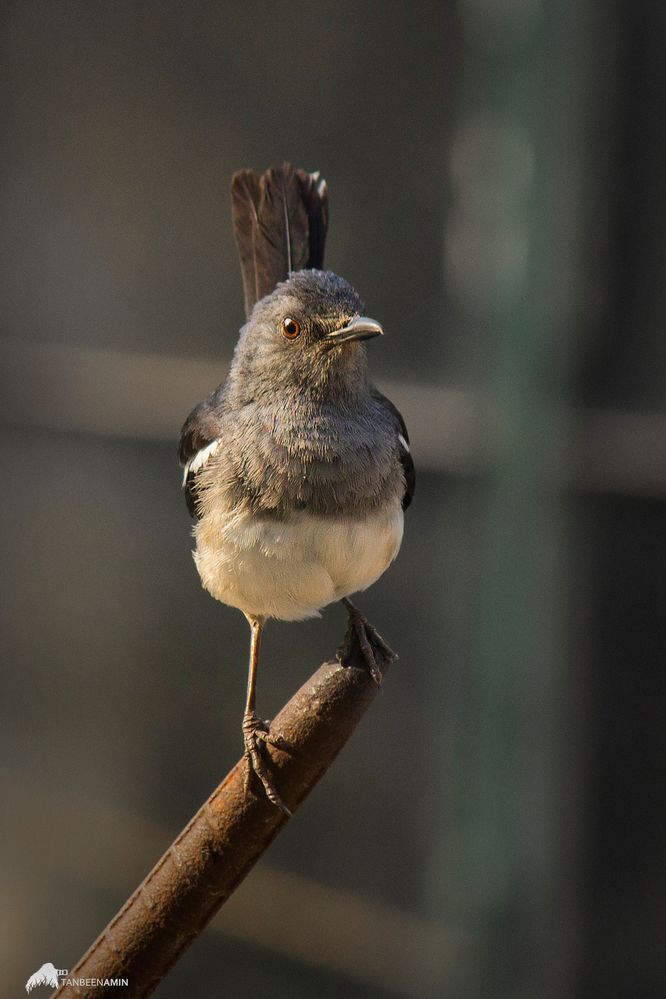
(360, 328)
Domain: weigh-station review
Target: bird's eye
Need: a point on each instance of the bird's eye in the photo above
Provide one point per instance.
(290, 328)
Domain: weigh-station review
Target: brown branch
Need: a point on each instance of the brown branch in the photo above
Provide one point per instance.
(223, 841)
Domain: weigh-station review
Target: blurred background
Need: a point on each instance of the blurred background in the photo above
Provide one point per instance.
(497, 187)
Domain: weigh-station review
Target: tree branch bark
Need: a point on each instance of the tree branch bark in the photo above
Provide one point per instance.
(223, 841)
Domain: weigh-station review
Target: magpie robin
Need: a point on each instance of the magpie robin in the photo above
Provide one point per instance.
(297, 468)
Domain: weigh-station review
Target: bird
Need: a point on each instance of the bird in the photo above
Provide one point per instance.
(296, 468)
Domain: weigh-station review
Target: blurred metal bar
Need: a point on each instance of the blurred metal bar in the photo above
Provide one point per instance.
(84, 389)
(520, 163)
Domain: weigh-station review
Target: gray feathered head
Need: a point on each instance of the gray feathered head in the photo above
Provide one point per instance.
(304, 337)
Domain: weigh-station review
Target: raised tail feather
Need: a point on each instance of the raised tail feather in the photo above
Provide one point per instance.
(280, 221)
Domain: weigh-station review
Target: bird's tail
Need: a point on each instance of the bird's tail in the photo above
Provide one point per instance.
(280, 221)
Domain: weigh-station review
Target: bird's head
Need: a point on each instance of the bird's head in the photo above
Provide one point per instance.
(305, 335)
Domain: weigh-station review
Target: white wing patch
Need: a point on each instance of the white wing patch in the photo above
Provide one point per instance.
(201, 458)
(403, 443)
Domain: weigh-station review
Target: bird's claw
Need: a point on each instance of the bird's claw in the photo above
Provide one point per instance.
(255, 735)
(363, 638)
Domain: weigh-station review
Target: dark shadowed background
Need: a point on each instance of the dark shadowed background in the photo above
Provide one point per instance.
(497, 187)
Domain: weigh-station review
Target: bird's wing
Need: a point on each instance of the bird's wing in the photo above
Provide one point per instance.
(280, 222)
(199, 440)
(404, 452)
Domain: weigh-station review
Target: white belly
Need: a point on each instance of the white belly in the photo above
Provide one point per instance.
(290, 570)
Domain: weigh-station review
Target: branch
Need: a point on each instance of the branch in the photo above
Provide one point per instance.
(223, 841)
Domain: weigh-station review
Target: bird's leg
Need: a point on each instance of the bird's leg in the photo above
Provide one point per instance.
(255, 731)
(368, 642)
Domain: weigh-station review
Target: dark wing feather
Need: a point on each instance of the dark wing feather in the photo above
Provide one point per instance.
(405, 454)
(200, 429)
(280, 222)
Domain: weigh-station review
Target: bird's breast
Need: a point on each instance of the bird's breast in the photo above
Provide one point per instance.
(326, 462)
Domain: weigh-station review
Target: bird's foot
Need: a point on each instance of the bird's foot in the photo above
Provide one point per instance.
(364, 642)
(256, 735)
